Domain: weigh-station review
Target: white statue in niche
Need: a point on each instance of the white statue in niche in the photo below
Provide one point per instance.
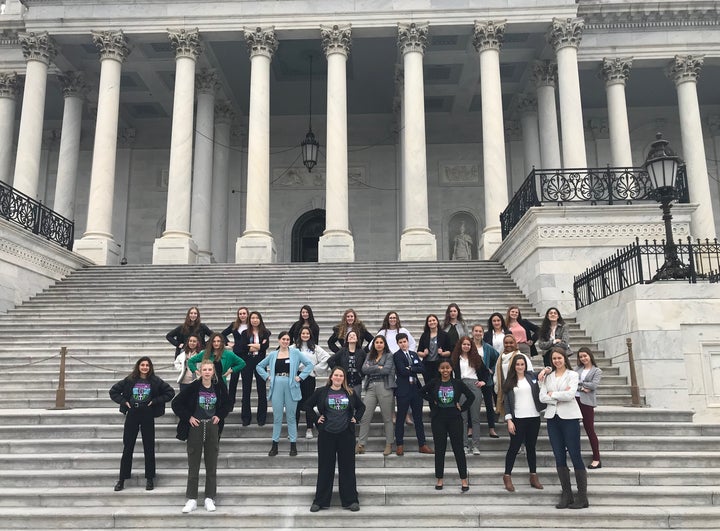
(462, 245)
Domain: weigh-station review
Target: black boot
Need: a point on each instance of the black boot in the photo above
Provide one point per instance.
(581, 501)
(120, 485)
(273, 450)
(293, 449)
(566, 498)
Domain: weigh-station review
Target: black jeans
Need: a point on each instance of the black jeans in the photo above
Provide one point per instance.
(444, 425)
(307, 388)
(247, 377)
(138, 419)
(487, 392)
(526, 431)
(329, 446)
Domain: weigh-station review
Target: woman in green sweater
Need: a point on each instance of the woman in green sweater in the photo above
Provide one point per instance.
(226, 362)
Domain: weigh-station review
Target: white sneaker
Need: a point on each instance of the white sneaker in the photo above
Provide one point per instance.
(309, 434)
(209, 505)
(476, 450)
(190, 506)
(468, 450)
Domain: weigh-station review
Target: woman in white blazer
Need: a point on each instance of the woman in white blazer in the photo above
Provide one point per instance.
(558, 390)
(589, 375)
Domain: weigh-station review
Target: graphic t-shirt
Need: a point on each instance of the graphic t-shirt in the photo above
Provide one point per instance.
(446, 395)
(337, 415)
(141, 392)
(207, 400)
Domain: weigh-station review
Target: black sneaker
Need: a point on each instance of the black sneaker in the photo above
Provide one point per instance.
(314, 508)
(354, 507)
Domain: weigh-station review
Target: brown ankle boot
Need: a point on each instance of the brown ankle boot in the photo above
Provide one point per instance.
(535, 482)
(507, 480)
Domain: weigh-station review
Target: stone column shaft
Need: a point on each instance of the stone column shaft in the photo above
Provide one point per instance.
(38, 50)
(74, 89)
(417, 241)
(221, 167)
(202, 185)
(256, 244)
(9, 87)
(527, 107)
(336, 244)
(685, 71)
(545, 74)
(565, 36)
(616, 71)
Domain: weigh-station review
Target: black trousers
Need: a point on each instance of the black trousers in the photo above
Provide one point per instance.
(248, 373)
(405, 402)
(142, 420)
(307, 388)
(232, 386)
(487, 392)
(341, 445)
(526, 431)
(446, 425)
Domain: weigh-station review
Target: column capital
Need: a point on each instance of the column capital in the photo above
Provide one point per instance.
(513, 130)
(599, 127)
(336, 39)
(186, 43)
(713, 122)
(616, 70)
(488, 35)
(545, 73)
(73, 84)
(261, 42)
(111, 45)
(37, 46)
(51, 138)
(206, 81)
(126, 137)
(685, 68)
(10, 84)
(526, 103)
(224, 112)
(412, 37)
(565, 32)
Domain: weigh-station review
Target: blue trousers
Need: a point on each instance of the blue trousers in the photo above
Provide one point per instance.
(282, 400)
(565, 437)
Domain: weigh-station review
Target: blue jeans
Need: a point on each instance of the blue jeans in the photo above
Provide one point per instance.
(565, 437)
(282, 399)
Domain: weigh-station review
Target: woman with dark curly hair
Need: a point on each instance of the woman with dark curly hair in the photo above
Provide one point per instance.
(469, 367)
(306, 318)
(553, 333)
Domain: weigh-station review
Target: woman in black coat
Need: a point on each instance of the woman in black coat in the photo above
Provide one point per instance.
(191, 326)
(434, 346)
(142, 397)
(446, 411)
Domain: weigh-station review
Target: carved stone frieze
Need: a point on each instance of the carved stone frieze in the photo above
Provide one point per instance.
(299, 177)
(461, 173)
(609, 230)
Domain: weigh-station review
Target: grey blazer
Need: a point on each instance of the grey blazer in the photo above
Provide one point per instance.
(591, 382)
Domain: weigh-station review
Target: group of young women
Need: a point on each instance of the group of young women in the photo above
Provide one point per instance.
(460, 367)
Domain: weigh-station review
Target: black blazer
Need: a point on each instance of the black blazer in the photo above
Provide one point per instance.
(318, 400)
(430, 394)
(160, 393)
(295, 333)
(443, 341)
(236, 337)
(177, 338)
(509, 399)
(403, 372)
(340, 359)
(334, 340)
(243, 346)
(186, 401)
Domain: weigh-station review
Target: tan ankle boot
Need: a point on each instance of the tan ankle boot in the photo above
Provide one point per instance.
(507, 480)
(535, 482)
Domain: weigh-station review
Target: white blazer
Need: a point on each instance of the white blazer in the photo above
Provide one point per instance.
(562, 402)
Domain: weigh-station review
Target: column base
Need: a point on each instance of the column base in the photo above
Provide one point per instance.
(255, 249)
(416, 245)
(336, 247)
(490, 240)
(102, 251)
(175, 250)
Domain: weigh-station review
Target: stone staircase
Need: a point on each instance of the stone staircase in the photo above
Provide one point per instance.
(57, 467)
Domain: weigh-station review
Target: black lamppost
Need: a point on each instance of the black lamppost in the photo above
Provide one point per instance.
(662, 164)
(310, 145)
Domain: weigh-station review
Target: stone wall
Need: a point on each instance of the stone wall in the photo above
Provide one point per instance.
(30, 264)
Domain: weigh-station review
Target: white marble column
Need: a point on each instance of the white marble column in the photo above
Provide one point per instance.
(220, 189)
(615, 72)
(527, 109)
(417, 242)
(38, 50)
(684, 70)
(97, 243)
(202, 186)
(74, 91)
(713, 123)
(487, 40)
(256, 245)
(336, 243)
(176, 245)
(565, 36)
(10, 85)
(545, 76)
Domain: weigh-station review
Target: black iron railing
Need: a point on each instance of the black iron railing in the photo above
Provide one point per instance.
(585, 185)
(36, 217)
(639, 262)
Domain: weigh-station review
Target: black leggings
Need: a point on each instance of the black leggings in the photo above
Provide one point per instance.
(446, 425)
(526, 431)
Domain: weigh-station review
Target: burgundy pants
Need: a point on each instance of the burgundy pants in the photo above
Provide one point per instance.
(588, 415)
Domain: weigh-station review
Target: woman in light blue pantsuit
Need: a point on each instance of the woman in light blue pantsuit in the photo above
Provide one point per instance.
(280, 369)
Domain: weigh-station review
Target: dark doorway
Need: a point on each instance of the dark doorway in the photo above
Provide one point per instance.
(306, 235)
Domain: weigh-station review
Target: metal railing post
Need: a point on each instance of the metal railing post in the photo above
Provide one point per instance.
(60, 393)
(634, 389)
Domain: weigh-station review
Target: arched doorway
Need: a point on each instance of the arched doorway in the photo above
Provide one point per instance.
(306, 234)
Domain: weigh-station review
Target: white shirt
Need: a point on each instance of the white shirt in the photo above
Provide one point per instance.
(466, 371)
(390, 336)
(524, 403)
